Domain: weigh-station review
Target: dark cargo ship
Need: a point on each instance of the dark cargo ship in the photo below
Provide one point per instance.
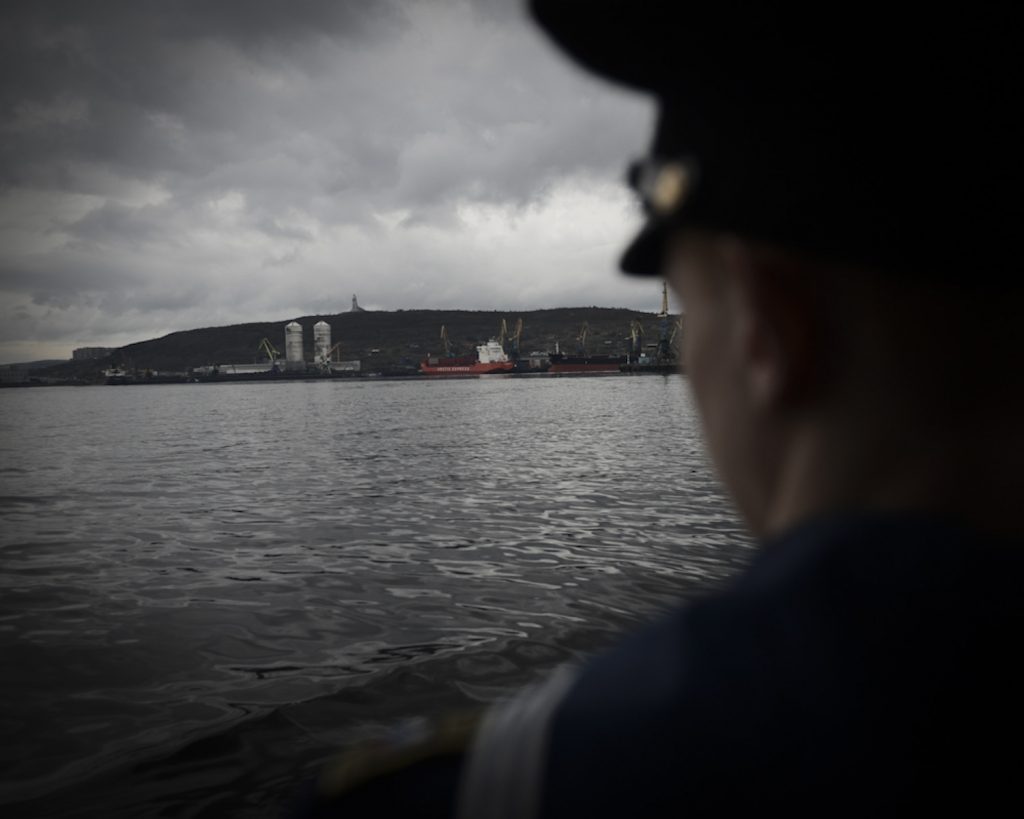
(562, 363)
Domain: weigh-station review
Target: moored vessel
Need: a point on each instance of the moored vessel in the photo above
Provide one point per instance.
(490, 358)
(562, 363)
(116, 375)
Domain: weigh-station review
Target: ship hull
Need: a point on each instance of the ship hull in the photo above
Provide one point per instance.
(586, 364)
(654, 369)
(466, 369)
(490, 358)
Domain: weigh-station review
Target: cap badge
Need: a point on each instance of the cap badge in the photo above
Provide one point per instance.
(663, 185)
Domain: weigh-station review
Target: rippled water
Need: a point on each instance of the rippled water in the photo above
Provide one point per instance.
(205, 588)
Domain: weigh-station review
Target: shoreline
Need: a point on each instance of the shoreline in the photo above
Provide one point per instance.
(279, 378)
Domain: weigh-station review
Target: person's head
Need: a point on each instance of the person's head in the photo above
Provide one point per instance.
(824, 385)
(829, 200)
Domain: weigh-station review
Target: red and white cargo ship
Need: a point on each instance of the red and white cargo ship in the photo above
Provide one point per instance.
(490, 358)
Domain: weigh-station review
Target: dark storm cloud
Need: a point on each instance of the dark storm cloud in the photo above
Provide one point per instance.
(108, 81)
(183, 88)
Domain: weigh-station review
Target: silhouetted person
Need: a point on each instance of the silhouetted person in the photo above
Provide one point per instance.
(834, 196)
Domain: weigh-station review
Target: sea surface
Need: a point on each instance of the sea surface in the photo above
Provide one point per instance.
(207, 589)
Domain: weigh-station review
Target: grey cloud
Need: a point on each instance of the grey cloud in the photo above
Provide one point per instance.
(183, 89)
(323, 118)
(113, 222)
(67, 281)
(95, 80)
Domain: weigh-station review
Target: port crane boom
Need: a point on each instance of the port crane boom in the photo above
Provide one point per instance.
(324, 361)
(636, 335)
(269, 349)
(581, 339)
(509, 339)
(515, 338)
(665, 351)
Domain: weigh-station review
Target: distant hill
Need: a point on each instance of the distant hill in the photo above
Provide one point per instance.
(383, 340)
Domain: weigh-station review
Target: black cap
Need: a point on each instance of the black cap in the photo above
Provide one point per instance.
(869, 134)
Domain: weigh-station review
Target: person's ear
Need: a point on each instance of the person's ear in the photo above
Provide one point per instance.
(776, 317)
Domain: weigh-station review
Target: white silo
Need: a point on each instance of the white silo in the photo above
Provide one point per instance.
(321, 342)
(293, 345)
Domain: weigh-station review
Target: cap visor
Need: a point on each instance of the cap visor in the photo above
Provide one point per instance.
(644, 257)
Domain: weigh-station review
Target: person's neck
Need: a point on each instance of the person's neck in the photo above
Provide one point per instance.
(964, 472)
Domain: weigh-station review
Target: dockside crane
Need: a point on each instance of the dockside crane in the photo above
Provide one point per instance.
(444, 341)
(503, 335)
(666, 352)
(269, 349)
(581, 339)
(509, 339)
(515, 338)
(636, 337)
(272, 353)
(324, 362)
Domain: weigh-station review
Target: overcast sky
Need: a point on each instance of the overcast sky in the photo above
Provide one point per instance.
(171, 164)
